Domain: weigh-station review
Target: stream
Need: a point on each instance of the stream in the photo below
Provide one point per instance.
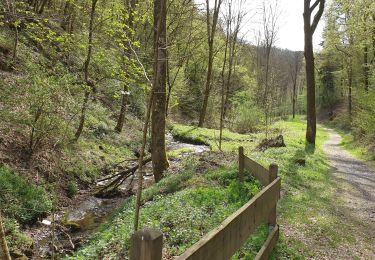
(89, 211)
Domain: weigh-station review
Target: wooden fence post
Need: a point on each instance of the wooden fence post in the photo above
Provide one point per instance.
(240, 163)
(146, 244)
(4, 251)
(273, 169)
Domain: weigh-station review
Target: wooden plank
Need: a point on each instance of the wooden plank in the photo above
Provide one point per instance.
(222, 242)
(268, 246)
(273, 170)
(267, 202)
(240, 163)
(146, 244)
(257, 170)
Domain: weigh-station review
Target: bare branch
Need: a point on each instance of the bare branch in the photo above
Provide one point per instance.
(318, 16)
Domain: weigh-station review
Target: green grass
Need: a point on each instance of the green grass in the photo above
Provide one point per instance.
(357, 148)
(183, 207)
(20, 203)
(175, 204)
(20, 200)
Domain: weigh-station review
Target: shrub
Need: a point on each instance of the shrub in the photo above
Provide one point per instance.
(21, 200)
(71, 189)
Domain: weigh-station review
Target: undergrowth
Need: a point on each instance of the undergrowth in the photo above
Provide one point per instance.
(184, 207)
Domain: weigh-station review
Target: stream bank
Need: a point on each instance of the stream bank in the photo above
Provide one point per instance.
(70, 226)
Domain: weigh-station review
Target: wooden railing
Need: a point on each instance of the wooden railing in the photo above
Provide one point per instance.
(225, 240)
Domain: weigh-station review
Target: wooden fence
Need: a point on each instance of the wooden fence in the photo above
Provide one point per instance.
(225, 240)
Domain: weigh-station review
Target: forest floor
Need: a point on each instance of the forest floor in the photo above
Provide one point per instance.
(326, 210)
(355, 204)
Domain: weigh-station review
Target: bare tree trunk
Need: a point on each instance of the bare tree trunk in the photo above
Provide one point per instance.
(4, 251)
(86, 73)
(294, 98)
(124, 99)
(124, 102)
(223, 80)
(309, 29)
(350, 84)
(158, 153)
(181, 62)
(211, 30)
(67, 13)
(41, 8)
(366, 68)
(15, 46)
(295, 68)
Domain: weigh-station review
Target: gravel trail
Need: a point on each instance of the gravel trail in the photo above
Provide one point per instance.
(355, 191)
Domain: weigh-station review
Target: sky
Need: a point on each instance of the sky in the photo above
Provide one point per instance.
(291, 35)
(290, 23)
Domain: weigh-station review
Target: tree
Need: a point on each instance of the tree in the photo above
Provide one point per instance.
(222, 109)
(295, 67)
(267, 40)
(211, 31)
(158, 153)
(89, 83)
(130, 6)
(233, 30)
(309, 29)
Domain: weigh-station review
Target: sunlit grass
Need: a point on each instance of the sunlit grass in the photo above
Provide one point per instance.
(304, 209)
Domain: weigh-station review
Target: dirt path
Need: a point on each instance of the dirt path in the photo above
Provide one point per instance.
(355, 205)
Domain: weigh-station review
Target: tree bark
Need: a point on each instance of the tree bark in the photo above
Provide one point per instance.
(4, 251)
(158, 153)
(223, 80)
(366, 69)
(86, 74)
(211, 31)
(124, 102)
(124, 99)
(309, 29)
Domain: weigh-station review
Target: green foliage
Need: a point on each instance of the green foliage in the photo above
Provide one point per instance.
(20, 200)
(179, 206)
(71, 189)
(15, 238)
(39, 104)
(247, 115)
(364, 121)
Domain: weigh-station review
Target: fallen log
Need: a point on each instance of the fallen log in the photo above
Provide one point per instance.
(119, 178)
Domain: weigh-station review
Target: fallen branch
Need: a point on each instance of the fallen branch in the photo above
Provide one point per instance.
(120, 177)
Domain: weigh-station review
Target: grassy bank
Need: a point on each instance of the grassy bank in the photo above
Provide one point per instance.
(187, 205)
(183, 206)
(22, 204)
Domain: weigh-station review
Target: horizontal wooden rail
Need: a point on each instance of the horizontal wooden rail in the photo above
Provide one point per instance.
(257, 170)
(222, 242)
(225, 240)
(270, 243)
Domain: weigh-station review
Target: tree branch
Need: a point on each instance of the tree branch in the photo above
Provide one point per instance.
(318, 15)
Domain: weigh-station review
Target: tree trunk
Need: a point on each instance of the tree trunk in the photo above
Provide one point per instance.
(4, 251)
(211, 30)
(86, 74)
(121, 117)
(366, 68)
(310, 83)
(309, 29)
(130, 4)
(223, 81)
(294, 97)
(207, 88)
(158, 153)
(41, 8)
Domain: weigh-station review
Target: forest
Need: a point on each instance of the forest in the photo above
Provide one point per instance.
(121, 115)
